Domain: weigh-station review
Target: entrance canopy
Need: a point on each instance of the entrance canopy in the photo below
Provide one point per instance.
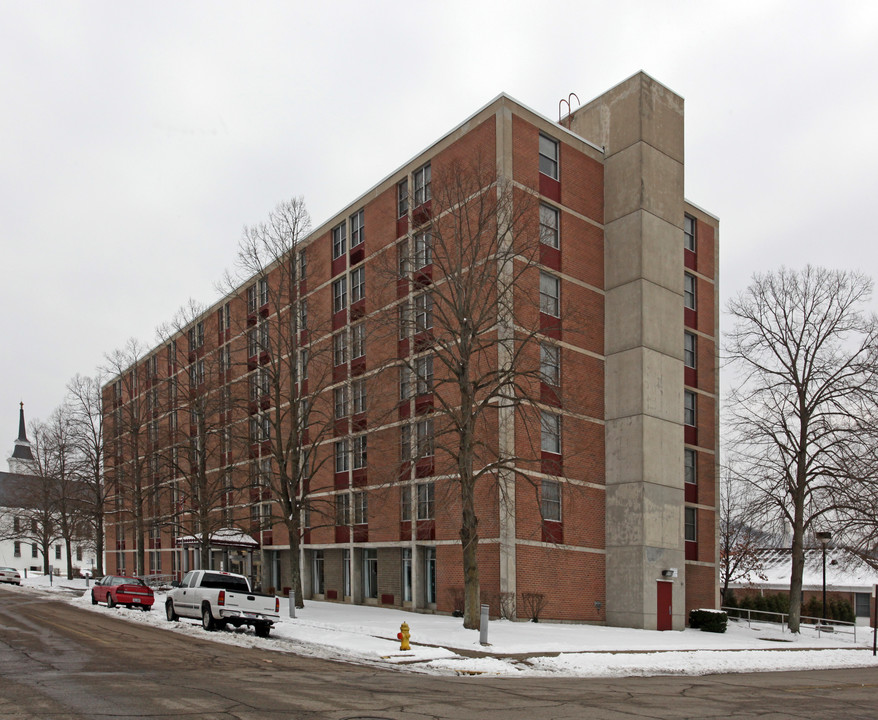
(226, 538)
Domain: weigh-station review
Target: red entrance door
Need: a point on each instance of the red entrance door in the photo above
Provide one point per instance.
(664, 592)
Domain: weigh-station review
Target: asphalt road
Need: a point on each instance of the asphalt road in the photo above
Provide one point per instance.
(58, 662)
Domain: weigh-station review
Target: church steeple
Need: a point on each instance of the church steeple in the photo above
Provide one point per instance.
(22, 454)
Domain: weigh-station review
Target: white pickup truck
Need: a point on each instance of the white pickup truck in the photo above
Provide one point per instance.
(221, 598)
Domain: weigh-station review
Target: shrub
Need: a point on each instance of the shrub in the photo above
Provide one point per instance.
(708, 620)
(533, 604)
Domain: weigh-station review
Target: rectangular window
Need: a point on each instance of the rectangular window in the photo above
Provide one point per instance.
(689, 292)
(263, 291)
(689, 349)
(16, 548)
(689, 232)
(370, 573)
(422, 178)
(358, 284)
(361, 508)
(57, 552)
(303, 314)
(358, 230)
(426, 444)
(403, 318)
(402, 197)
(340, 395)
(252, 342)
(339, 295)
(405, 503)
(360, 454)
(16, 525)
(343, 509)
(691, 530)
(423, 249)
(252, 299)
(358, 340)
(405, 382)
(303, 264)
(339, 241)
(425, 501)
(303, 363)
(33, 550)
(549, 226)
(405, 443)
(550, 364)
(424, 374)
(689, 466)
(548, 156)
(340, 348)
(550, 431)
(423, 312)
(225, 317)
(78, 553)
(550, 500)
(341, 455)
(688, 407)
(550, 294)
(358, 393)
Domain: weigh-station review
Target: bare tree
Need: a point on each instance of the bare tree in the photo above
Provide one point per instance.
(805, 353)
(740, 536)
(472, 321)
(198, 457)
(127, 418)
(289, 415)
(87, 438)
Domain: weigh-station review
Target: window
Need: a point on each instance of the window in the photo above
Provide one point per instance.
(341, 402)
(689, 349)
(550, 500)
(341, 456)
(405, 443)
(402, 197)
(196, 336)
(79, 553)
(550, 294)
(303, 363)
(689, 291)
(549, 227)
(548, 156)
(403, 317)
(361, 508)
(689, 466)
(339, 242)
(862, 602)
(405, 382)
(196, 374)
(422, 179)
(16, 548)
(358, 393)
(358, 230)
(343, 509)
(370, 573)
(16, 525)
(423, 312)
(425, 501)
(405, 503)
(252, 299)
(406, 574)
(33, 550)
(425, 437)
(339, 295)
(691, 530)
(303, 315)
(57, 552)
(550, 431)
(360, 454)
(688, 407)
(252, 342)
(303, 264)
(424, 374)
(340, 348)
(358, 284)
(689, 232)
(224, 317)
(423, 249)
(225, 359)
(264, 341)
(403, 259)
(358, 340)
(550, 364)
(263, 291)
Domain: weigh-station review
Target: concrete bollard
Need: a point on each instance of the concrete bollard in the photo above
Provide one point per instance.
(483, 626)
(292, 603)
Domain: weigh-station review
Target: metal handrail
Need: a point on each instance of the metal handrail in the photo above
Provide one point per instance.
(819, 624)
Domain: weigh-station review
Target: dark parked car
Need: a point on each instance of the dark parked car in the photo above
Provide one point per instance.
(116, 590)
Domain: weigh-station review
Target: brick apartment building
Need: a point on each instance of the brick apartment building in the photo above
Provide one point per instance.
(604, 502)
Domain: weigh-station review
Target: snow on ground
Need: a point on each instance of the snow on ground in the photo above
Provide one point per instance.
(440, 644)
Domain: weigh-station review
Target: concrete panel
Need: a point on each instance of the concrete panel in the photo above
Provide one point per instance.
(641, 380)
(662, 450)
(642, 177)
(663, 517)
(624, 515)
(642, 245)
(641, 313)
(624, 450)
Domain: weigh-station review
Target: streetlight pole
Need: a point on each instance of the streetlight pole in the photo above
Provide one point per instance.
(824, 538)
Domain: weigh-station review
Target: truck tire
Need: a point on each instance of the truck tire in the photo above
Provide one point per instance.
(262, 629)
(170, 613)
(207, 619)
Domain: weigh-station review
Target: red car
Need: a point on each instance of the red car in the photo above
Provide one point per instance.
(116, 590)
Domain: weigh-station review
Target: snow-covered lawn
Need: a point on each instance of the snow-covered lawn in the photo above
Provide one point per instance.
(440, 645)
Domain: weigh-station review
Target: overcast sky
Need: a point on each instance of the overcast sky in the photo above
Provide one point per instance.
(137, 139)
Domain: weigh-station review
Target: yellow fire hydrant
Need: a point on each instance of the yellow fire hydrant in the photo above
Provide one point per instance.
(404, 636)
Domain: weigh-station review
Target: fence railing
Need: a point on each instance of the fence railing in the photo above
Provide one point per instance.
(837, 627)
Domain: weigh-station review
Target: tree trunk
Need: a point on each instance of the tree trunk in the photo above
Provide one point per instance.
(67, 547)
(99, 545)
(469, 540)
(294, 576)
(798, 563)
